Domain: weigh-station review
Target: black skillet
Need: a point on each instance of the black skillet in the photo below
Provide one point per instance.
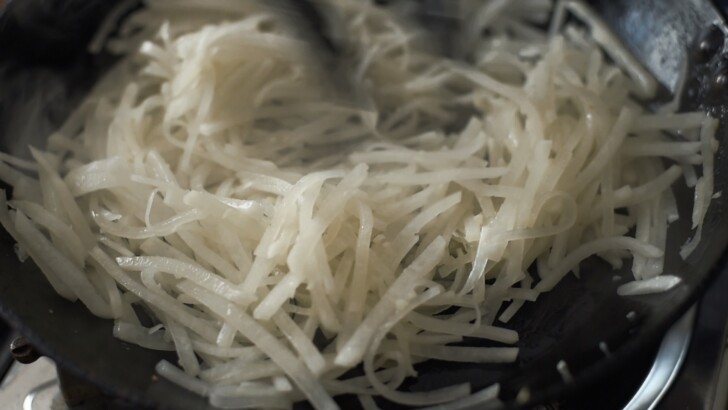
(44, 71)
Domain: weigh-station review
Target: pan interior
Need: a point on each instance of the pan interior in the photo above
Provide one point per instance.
(45, 71)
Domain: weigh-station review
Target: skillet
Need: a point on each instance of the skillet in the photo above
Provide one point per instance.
(45, 71)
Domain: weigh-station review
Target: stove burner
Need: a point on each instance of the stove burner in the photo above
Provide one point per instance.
(32, 387)
(57, 402)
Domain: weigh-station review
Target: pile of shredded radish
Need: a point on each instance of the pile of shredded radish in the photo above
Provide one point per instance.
(279, 239)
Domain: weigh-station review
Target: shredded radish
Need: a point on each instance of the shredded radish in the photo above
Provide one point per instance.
(279, 239)
(644, 287)
(564, 371)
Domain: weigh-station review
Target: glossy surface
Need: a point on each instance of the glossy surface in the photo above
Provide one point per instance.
(669, 360)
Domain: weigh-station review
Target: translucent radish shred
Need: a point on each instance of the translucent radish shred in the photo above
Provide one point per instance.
(281, 241)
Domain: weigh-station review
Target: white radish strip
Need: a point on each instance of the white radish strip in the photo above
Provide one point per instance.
(707, 140)
(443, 176)
(399, 292)
(24, 187)
(162, 302)
(18, 162)
(657, 284)
(407, 237)
(569, 219)
(94, 176)
(629, 196)
(466, 354)
(226, 336)
(148, 210)
(426, 338)
(691, 244)
(65, 198)
(592, 248)
(69, 242)
(180, 378)
(183, 346)
(298, 339)
(699, 202)
(115, 246)
(481, 259)
(608, 150)
(358, 288)
(155, 246)
(204, 253)
(249, 352)
(7, 219)
(281, 384)
(179, 269)
(51, 260)
(164, 228)
(672, 122)
(410, 203)
(511, 310)
(441, 395)
(271, 346)
(278, 296)
(463, 329)
(240, 370)
(113, 295)
(140, 336)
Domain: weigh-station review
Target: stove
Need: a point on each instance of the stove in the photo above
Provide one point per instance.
(687, 370)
